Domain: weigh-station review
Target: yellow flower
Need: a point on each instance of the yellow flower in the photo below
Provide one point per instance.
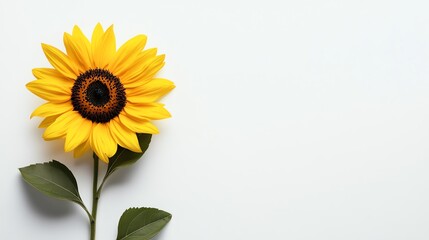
(99, 97)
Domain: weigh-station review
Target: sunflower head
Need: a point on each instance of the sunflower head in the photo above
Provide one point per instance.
(99, 97)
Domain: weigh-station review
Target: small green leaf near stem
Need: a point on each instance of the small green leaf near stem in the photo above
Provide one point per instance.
(141, 223)
(55, 180)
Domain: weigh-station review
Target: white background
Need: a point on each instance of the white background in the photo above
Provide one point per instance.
(291, 120)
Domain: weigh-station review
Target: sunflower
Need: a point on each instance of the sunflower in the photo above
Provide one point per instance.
(99, 97)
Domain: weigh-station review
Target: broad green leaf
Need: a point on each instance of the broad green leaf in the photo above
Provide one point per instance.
(124, 157)
(141, 223)
(53, 179)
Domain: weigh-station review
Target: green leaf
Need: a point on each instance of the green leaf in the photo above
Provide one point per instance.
(53, 179)
(141, 223)
(124, 157)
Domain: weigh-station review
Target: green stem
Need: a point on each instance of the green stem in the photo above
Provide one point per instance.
(95, 197)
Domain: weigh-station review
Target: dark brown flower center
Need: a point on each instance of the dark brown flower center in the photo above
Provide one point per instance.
(98, 95)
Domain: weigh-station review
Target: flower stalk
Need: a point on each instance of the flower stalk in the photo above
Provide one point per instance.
(95, 197)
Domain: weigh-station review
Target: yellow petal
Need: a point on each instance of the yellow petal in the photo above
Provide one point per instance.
(97, 34)
(60, 61)
(77, 133)
(96, 37)
(153, 111)
(124, 137)
(148, 53)
(135, 64)
(48, 121)
(138, 125)
(127, 52)
(43, 73)
(59, 128)
(102, 142)
(76, 54)
(55, 90)
(145, 73)
(150, 92)
(154, 67)
(51, 109)
(105, 49)
(81, 149)
(84, 45)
